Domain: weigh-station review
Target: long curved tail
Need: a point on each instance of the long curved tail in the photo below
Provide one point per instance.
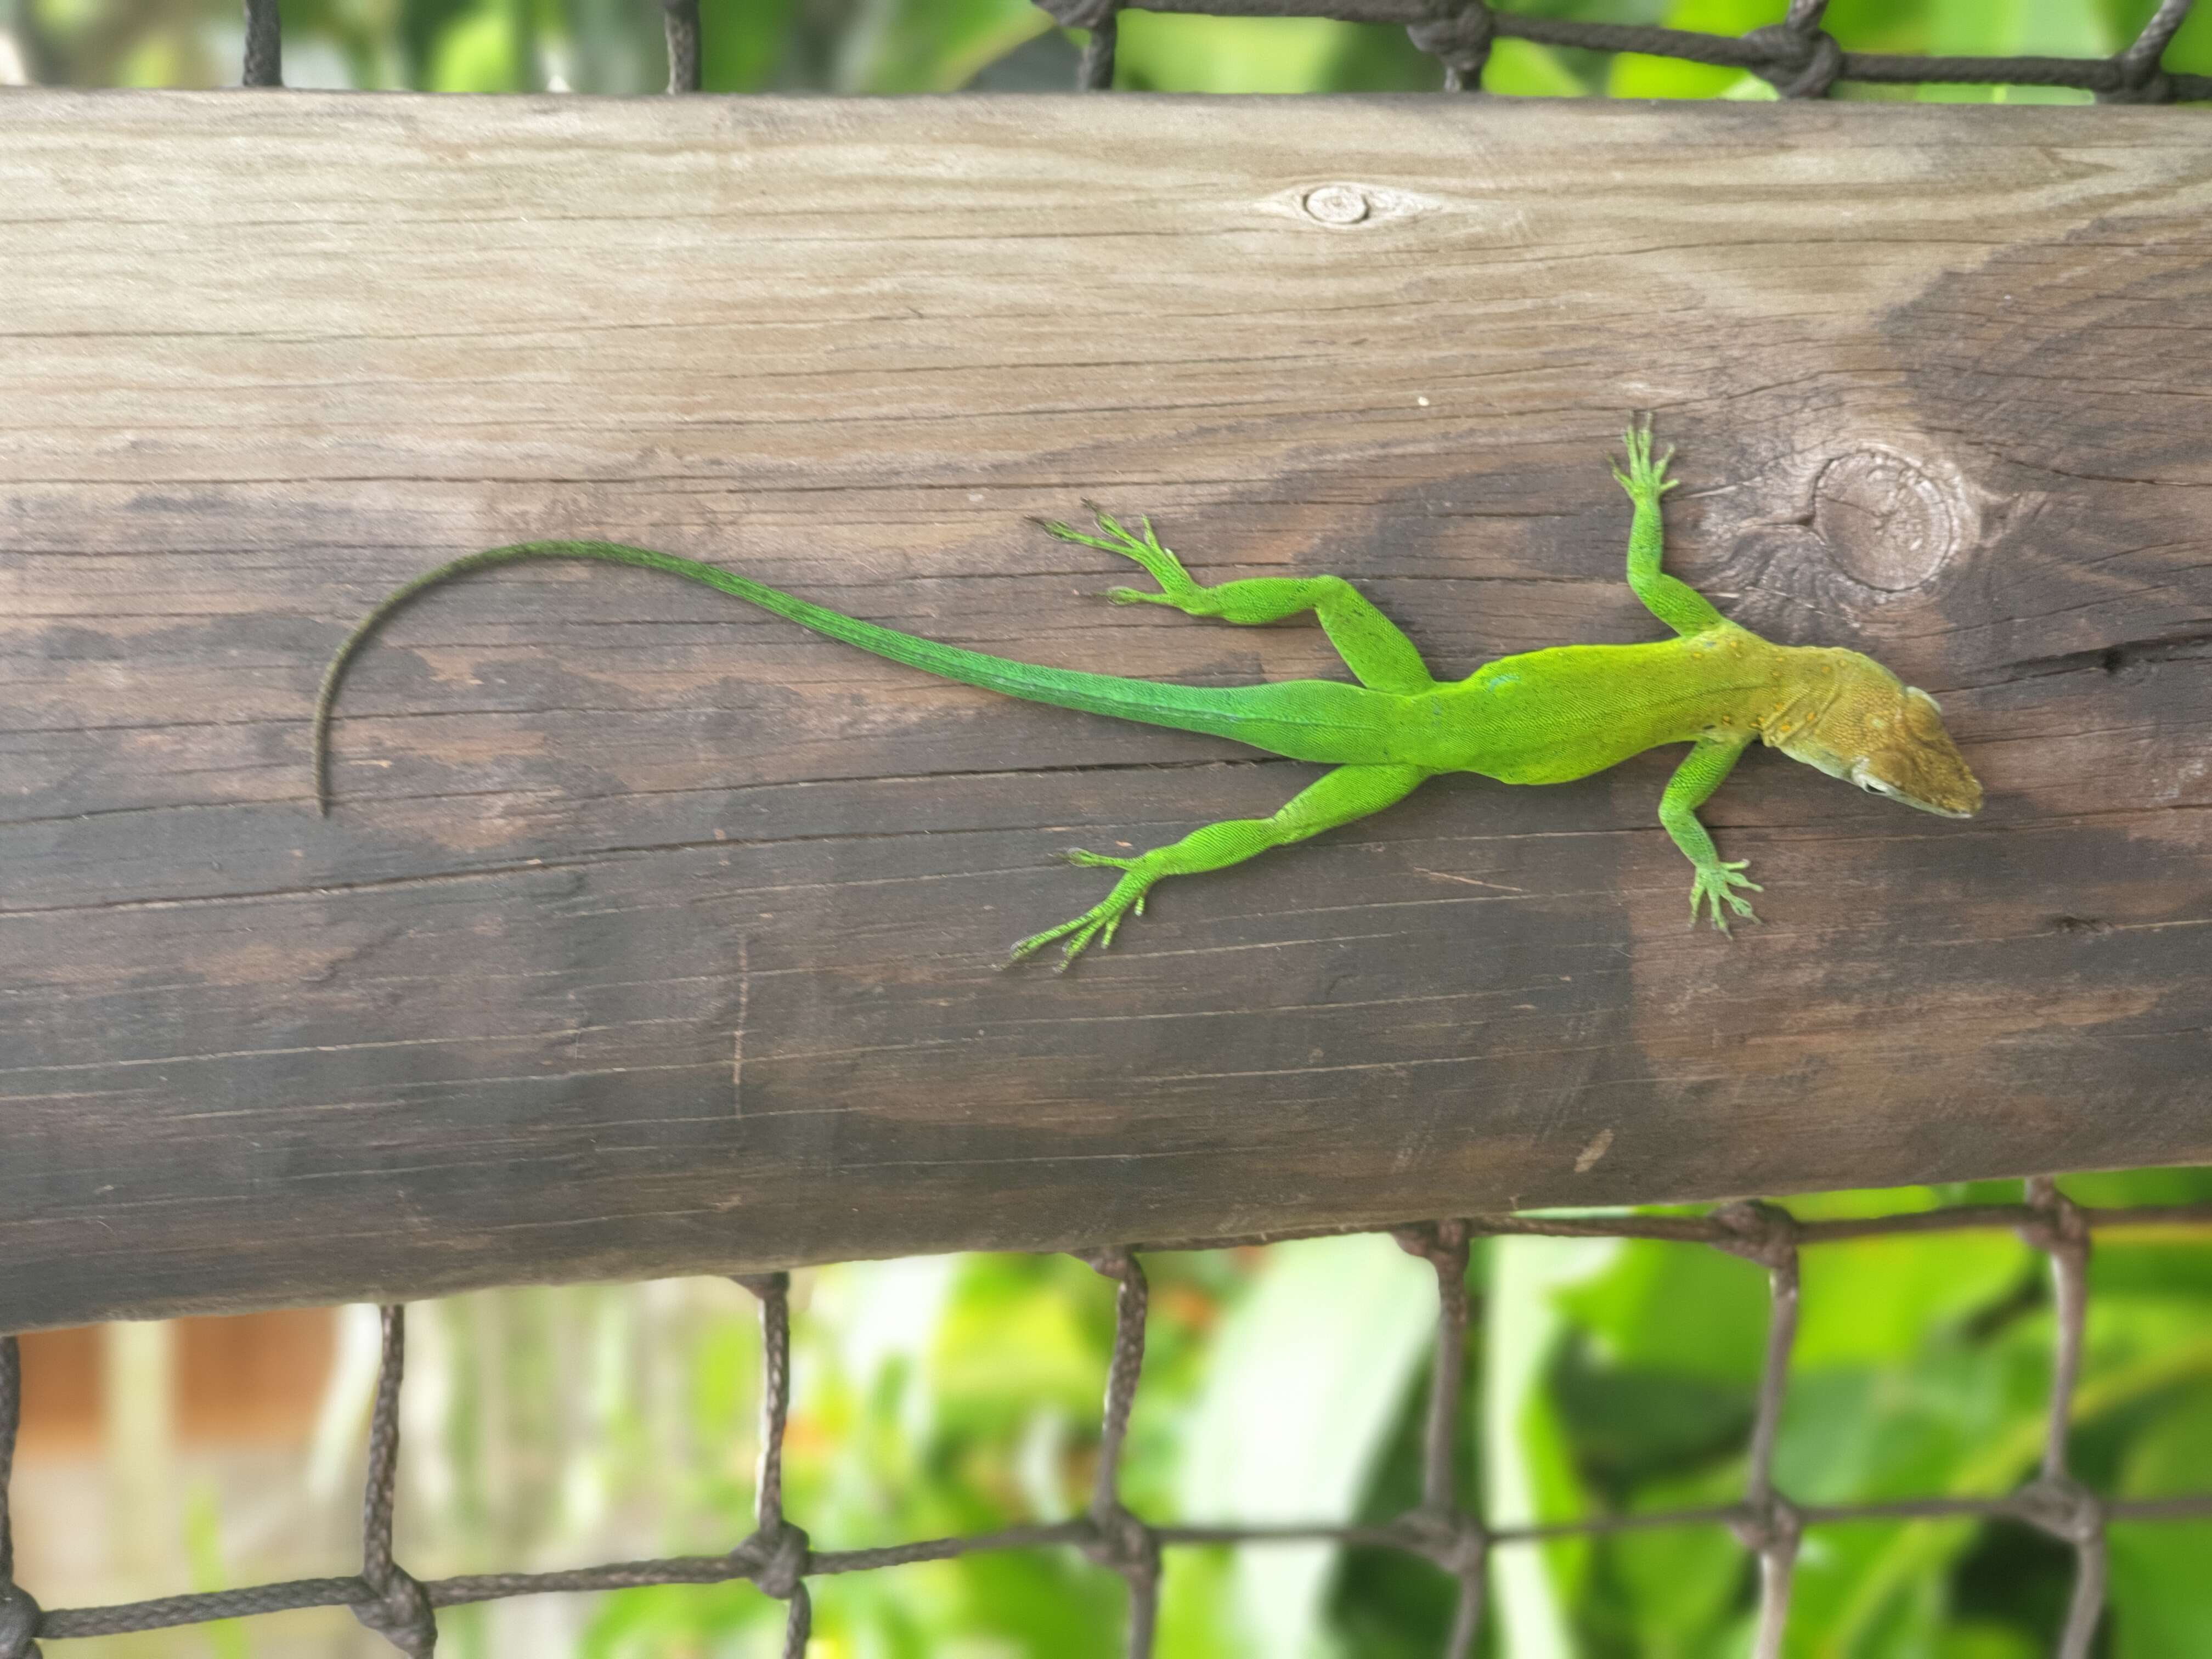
(1227, 712)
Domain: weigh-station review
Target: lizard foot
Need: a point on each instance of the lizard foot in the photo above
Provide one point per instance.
(1646, 480)
(1159, 564)
(1098, 923)
(1715, 882)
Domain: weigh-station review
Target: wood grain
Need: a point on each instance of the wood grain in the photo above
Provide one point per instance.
(653, 936)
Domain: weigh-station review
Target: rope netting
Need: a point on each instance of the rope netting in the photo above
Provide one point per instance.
(1443, 1527)
(1797, 56)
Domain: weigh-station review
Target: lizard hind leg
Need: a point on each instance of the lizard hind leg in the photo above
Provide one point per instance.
(1159, 562)
(1371, 646)
(1341, 796)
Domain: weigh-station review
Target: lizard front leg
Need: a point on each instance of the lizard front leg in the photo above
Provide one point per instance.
(1674, 601)
(1706, 767)
(1347, 793)
(1377, 654)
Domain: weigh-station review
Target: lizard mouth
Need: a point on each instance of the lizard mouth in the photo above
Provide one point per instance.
(1937, 807)
(1874, 786)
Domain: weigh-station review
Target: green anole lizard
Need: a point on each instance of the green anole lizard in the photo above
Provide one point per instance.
(1546, 716)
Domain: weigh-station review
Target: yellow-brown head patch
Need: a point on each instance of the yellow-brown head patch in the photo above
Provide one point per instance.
(1886, 736)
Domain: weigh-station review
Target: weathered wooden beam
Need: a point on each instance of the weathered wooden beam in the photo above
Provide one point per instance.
(650, 935)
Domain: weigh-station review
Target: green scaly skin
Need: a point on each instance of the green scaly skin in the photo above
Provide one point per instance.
(1544, 716)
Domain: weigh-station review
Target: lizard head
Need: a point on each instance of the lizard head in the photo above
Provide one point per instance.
(1873, 730)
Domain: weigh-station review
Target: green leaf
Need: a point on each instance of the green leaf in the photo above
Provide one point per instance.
(2160, 1606)
(1680, 1308)
(478, 52)
(1985, 1641)
(2117, 1188)
(1635, 75)
(1308, 1375)
(1159, 51)
(1528, 1473)
(1872, 1300)
(1683, 1582)
(2057, 28)
(2190, 51)
(931, 46)
(1993, 1461)
(1383, 60)
(742, 42)
(1007, 1341)
(1525, 69)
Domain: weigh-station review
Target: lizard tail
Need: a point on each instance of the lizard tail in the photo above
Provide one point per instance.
(1191, 709)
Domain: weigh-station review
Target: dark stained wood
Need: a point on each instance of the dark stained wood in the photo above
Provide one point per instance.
(654, 936)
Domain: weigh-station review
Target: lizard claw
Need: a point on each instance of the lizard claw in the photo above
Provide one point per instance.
(1159, 562)
(1106, 860)
(1096, 925)
(1714, 884)
(1645, 479)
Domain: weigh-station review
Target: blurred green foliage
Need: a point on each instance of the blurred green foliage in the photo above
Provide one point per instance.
(941, 45)
(961, 1393)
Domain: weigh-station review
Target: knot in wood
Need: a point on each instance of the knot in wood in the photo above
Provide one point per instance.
(1337, 204)
(1459, 40)
(1764, 1233)
(2062, 1506)
(18, 1623)
(1347, 205)
(401, 1613)
(1885, 523)
(776, 1561)
(1801, 63)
